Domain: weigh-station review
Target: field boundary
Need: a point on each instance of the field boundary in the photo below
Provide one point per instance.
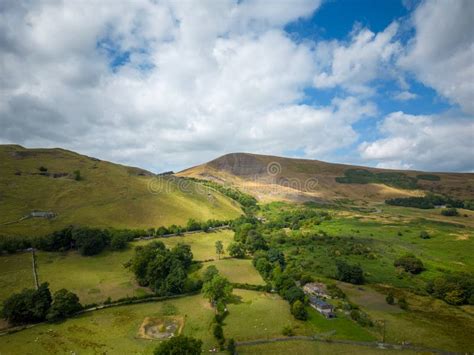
(378, 345)
(35, 273)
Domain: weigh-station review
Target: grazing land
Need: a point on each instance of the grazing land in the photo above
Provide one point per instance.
(114, 330)
(237, 270)
(105, 195)
(15, 274)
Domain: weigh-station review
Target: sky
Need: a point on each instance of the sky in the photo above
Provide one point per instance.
(165, 85)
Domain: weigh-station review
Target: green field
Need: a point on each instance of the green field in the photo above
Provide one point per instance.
(112, 331)
(109, 195)
(237, 270)
(16, 273)
(429, 322)
(313, 347)
(95, 278)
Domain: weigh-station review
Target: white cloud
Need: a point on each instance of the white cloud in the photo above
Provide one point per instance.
(431, 142)
(405, 96)
(368, 56)
(441, 54)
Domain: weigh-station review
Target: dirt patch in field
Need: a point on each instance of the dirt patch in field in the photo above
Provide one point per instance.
(463, 236)
(161, 328)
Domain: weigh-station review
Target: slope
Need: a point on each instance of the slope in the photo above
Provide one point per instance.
(105, 194)
(277, 178)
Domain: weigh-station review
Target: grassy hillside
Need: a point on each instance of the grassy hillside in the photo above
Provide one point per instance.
(107, 195)
(275, 178)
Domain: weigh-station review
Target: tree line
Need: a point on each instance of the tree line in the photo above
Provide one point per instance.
(91, 241)
(430, 201)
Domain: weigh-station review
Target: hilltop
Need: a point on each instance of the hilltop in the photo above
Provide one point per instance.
(87, 191)
(275, 178)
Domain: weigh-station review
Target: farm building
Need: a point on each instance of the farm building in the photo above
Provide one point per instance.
(316, 289)
(322, 307)
(42, 214)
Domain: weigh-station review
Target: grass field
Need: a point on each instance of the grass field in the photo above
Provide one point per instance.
(237, 270)
(202, 244)
(313, 347)
(95, 278)
(429, 322)
(109, 195)
(15, 274)
(112, 331)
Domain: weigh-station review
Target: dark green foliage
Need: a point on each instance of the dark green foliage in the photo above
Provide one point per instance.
(456, 288)
(219, 248)
(427, 202)
(231, 346)
(362, 176)
(335, 292)
(179, 345)
(90, 241)
(118, 242)
(28, 306)
(410, 263)
(43, 169)
(77, 175)
(450, 212)
(424, 235)
(349, 273)
(217, 331)
(390, 298)
(299, 311)
(429, 177)
(218, 289)
(193, 225)
(65, 304)
(255, 241)
(236, 250)
(403, 304)
(287, 331)
(161, 269)
(293, 294)
(209, 274)
(361, 318)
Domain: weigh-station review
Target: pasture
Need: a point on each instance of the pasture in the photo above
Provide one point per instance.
(114, 330)
(15, 274)
(236, 270)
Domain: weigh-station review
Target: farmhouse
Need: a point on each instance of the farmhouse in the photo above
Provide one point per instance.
(316, 289)
(322, 307)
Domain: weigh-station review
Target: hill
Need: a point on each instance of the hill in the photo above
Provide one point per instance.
(277, 178)
(86, 191)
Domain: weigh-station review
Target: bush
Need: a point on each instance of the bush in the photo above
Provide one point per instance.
(231, 346)
(217, 331)
(349, 273)
(390, 298)
(410, 264)
(450, 212)
(424, 235)
(236, 250)
(179, 345)
(28, 306)
(118, 242)
(299, 311)
(402, 303)
(287, 331)
(65, 304)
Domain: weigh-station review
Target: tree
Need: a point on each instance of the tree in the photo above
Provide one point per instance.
(410, 264)
(28, 306)
(179, 345)
(193, 225)
(77, 175)
(219, 248)
(65, 304)
(424, 235)
(299, 311)
(90, 241)
(236, 250)
(218, 289)
(349, 273)
(118, 241)
(390, 299)
(209, 274)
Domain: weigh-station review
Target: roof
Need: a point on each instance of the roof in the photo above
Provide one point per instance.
(319, 302)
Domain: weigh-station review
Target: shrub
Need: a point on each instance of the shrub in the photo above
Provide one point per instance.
(65, 304)
(349, 273)
(402, 302)
(180, 345)
(287, 331)
(410, 264)
(390, 298)
(231, 346)
(424, 235)
(299, 311)
(450, 212)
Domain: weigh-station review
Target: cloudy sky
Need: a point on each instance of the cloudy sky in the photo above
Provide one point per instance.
(168, 84)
